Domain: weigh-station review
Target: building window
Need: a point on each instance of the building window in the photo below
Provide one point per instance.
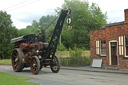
(126, 44)
(97, 47)
(121, 52)
(103, 47)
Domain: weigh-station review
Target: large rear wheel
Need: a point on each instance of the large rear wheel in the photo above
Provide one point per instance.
(17, 60)
(35, 65)
(55, 64)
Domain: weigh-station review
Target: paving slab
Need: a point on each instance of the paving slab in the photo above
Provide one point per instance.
(92, 69)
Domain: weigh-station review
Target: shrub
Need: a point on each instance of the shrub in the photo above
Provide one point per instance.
(61, 48)
(76, 52)
(87, 60)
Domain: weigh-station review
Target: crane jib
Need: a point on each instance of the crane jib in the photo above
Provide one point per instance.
(56, 34)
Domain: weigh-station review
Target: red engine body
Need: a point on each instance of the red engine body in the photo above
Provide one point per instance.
(25, 46)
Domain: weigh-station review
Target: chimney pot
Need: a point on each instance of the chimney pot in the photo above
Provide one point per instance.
(126, 15)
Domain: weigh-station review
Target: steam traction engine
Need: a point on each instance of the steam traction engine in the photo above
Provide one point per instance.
(32, 50)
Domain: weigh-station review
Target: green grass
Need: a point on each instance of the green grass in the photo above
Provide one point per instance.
(9, 79)
(5, 62)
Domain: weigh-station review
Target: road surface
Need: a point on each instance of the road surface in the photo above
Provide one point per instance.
(70, 77)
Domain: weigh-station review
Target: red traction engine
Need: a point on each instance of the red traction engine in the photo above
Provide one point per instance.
(32, 50)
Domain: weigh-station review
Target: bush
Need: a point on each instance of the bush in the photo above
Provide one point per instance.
(76, 52)
(61, 48)
(87, 60)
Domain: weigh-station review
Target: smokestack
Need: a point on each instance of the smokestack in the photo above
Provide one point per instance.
(126, 15)
(43, 34)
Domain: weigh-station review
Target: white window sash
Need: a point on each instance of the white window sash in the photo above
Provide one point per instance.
(97, 47)
(121, 48)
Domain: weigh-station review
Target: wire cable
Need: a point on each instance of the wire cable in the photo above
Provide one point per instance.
(51, 22)
(23, 5)
(15, 5)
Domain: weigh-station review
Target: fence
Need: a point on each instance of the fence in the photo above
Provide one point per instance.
(75, 61)
(67, 53)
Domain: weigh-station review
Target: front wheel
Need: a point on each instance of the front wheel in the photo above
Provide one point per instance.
(55, 64)
(17, 60)
(35, 65)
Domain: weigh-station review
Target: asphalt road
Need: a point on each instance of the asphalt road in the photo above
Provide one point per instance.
(70, 77)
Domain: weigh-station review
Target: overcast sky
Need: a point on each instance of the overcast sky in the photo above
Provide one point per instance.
(23, 12)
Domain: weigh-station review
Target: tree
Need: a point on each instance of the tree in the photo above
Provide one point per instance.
(29, 30)
(84, 18)
(7, 32)
(46, 20)
(35, 24)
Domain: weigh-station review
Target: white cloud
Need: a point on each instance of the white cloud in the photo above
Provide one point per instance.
(19, 24)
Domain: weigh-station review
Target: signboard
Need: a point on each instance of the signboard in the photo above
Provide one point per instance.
(96, 62)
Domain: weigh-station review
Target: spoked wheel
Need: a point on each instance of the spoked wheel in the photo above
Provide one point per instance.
(17, 60)
(55, 64)
(35, 65)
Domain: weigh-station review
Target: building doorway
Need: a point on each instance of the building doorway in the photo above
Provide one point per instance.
(113, 53)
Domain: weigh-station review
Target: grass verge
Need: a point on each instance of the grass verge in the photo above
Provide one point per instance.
(5, 62)
(10, 79)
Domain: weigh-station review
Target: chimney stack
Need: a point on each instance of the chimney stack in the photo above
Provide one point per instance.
(126, 15)
(43, 34)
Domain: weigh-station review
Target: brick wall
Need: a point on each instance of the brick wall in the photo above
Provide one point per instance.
(109, 33)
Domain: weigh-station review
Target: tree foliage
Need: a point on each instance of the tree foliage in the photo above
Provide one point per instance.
(29, 30)
(35, 24)
(7, 32)
(46, 20)
(84, 18)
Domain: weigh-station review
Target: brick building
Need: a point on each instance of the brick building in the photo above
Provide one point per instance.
(110, 43)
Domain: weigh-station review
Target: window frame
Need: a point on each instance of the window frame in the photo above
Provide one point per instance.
(125, 45)
(103, 47)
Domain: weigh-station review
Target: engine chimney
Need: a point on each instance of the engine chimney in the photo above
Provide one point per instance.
(43, 34)
(126, 15)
